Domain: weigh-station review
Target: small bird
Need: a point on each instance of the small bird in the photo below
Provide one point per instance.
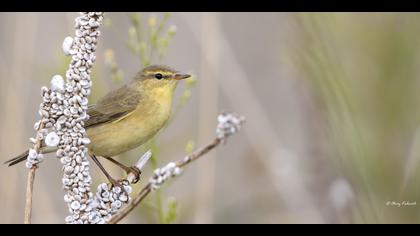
(127, 117)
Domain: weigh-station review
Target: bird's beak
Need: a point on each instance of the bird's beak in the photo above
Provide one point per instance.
(182, 76)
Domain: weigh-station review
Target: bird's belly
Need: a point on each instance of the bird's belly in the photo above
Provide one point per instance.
(114, 138)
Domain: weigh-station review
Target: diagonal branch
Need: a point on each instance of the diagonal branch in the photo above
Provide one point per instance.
(228, 124)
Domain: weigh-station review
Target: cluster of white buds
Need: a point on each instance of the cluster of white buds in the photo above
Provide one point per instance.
(72, 148)
(63, 112)
(110, 199)
(228, 124)
(34, 157)
(49, 112)
(160, 175)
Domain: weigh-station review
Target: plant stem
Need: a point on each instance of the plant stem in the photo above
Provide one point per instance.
(29, 191)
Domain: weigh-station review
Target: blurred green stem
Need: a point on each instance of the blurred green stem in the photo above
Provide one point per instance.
(158, 194)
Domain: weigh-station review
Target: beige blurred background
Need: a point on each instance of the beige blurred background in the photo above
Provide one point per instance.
(331, 101)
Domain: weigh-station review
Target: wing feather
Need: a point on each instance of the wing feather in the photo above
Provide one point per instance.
(114, 106)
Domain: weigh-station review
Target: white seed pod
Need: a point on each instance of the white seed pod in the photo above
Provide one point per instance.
(91, 21)
(73, 110)
(76, 169)
(68, 198)
(76, 216)
(28, 165)
(84, 83)
(36, 125)
(83, 207)
(128, 189)
(79, 222)
(79, 160)
(62, 119)
(52, 139)
(67, 43)
(57, 84)
(76, 191)
(82, 68)
(116, 205)
(123, 198)
(105, 194)
(103, 186)
(116, 189)
(75, 205)
(40, 157)
(221, 119)
(88, 39)
(177, 171)
(83, 22)
(44, 90)
(88, 46)
(32, 153)
(85, 141)
(159, 180)
(66, 111)
(171, 166)
(157, 172)
(68, 170)
(69, 219)
(60, 96)
(79, 56)
(44, 113)
(103, 212)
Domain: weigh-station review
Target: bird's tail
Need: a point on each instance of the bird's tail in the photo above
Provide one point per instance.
(17, 159)
(24, 155)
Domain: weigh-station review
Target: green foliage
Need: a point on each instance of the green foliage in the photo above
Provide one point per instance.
(171, 213)
(151, 40)
(362, 71)
(186, 94)
(189, 148)
(117, 75)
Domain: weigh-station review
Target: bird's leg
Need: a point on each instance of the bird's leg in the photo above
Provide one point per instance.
(113, 181)
(127, 169)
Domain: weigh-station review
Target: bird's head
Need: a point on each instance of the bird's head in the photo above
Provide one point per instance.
(159, 76)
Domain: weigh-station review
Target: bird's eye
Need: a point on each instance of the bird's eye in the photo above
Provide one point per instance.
(158, 76)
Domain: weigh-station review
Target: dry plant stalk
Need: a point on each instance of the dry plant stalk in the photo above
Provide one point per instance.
(31, 174)
(63, 112)
(29, 191)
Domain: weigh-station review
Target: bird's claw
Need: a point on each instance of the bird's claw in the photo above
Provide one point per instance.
(136, 171)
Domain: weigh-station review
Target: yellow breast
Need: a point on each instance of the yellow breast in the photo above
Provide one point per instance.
(135, 128)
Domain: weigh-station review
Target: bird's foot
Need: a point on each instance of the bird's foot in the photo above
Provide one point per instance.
(128, 169)
(115, 183)
(134, 170)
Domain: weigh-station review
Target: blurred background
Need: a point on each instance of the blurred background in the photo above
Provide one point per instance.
(331, 101)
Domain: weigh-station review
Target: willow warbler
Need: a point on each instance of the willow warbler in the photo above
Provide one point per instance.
(128, 116)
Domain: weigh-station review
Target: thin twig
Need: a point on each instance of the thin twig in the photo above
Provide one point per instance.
(148, 188)
(30, 182)
(29, 190)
